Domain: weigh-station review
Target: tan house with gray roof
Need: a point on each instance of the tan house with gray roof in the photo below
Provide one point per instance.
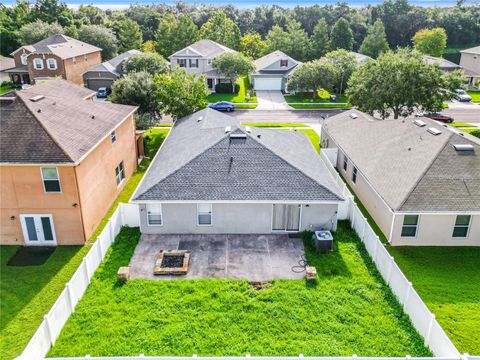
(418, 179)
(63, 161)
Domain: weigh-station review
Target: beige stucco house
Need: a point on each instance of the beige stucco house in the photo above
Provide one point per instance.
(63, 161)
(419, 180)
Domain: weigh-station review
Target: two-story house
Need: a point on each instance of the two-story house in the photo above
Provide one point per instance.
(272, 71)
(63, 161)
(198, 59)
(53, 57)
(470, 61)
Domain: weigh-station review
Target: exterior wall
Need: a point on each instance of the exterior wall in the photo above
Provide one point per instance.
(73, 72)
(436, 230)
(231, 218)
(471, 62)
(22, 192)
(203, 65)
(45, 72)
(276, 65)
(96, 174)
(17, 57)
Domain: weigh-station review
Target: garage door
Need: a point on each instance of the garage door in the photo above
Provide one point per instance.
(94, 84)
(268, 83)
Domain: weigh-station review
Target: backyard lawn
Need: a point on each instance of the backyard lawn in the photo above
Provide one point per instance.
(244, 83)
(475, 96)
(28, 293)
(349, 311)
(448, 281)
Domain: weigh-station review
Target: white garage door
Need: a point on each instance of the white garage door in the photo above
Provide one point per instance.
(268, 83)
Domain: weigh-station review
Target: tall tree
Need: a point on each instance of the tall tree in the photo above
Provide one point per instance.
(147, 17)
(342, 36)
(129, 35)
(313, 76)
(52, 11)
(101, 37)
(92, 15)
(180, 94)
(299, 44)
(252, 45)
(320, 41)
(221, 29)
(399, 83)
(375, 42)
(233, 65)
(345, 62)
(430, 42)
(174, 34)
(37, 30)
(277, 39)
(150, 62)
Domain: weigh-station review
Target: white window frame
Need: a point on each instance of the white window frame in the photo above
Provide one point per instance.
(462, 226)
(113, 136)
(43, 180)
(193, 61)
(354, 175)
(416, 226)
(155, 213)
(209, 61)
(55, 67)
(23, 59)
(122, 171)
(38, 242)
(204, 213)
(38, 61)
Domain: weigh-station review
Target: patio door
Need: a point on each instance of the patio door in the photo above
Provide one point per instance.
(38, 229)
(286, 217)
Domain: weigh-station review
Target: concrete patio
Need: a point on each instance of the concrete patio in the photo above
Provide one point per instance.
(251, 257)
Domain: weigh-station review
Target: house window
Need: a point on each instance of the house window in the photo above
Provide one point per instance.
(204, 214)
(182, 62)
(113, 136)
(154, 214)
(119, 173)
(51, 181)
(410, 225)
(462, 224)
(209, 61)
(193, 63)
(23, 59)
(354, 175)
(52, 64)
(345, 163)
(74, 60)
(38, 64)
(283, 63)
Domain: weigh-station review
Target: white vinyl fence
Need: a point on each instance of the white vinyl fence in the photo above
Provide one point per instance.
(53, 322)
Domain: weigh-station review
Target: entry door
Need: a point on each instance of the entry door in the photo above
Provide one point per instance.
(38, 229)
(286, 217)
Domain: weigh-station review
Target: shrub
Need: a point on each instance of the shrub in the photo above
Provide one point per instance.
(226, 88)
(475, 133)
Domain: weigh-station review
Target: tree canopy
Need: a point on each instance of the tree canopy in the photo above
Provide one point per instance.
(221, 29)
(342, 35)
(320, 39)
(38, 30)
(252, 45)
(174, 34)
(233, 65)
(151, 63)
(129, 35)
(375, 42)
(430, 41)
(101, 37)
(345, 63)
(313, 76)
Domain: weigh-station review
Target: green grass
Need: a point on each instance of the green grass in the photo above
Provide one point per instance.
(274, 125)
(313, 137)
(461, 124)
(246, 106)
(448, 281)
(153, 139)
(28, 293)
(475, 96)
(349, 310)
(244, 83)
(320, 106)
(323, 96)
(164, 125)
(5, 89)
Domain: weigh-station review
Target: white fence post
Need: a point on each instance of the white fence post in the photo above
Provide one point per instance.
(110, 226)
(389, 271)
(69, 297)
(99, 252)
(353, 215)
(407, 296)
(49, 329)
(85, 266)
(429, 330)
(364, 228)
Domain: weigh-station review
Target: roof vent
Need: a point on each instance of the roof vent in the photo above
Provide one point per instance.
(37, 98)
(248, 129)
(238, 136)
(420, 123)
(434, 131)
(228, 129)
(463, 147)
(200, 118)
(353, 116)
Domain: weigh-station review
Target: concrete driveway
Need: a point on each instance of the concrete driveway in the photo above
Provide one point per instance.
(271, 100)
(251, 257)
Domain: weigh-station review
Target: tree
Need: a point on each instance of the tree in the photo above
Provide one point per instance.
(277, 39)
(298, 39)
(180, 93)
(252, 45)
(320, 41)
(430, 42)
(138, 89)
(51, 11)
(151, 63)
(313, 76)
(173, 35)
(92, 15)
(221, 29)
(36, 31)
(345, 62)
(399, 83)
(148, 47)
(233, 65)
(101, 37)
(11, 18)
(342, 36)
(144, 121)
(375, 42)
(129, 35)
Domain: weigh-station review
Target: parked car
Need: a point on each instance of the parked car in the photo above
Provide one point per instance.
(103, 92)
(437, 116)
(222, 106)
(462, 95)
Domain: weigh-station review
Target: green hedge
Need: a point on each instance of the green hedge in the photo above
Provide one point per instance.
(226, 88)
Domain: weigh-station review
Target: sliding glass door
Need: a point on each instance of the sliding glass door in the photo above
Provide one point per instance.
(286, 217)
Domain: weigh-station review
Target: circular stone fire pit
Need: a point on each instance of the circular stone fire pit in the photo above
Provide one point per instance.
(172, 262)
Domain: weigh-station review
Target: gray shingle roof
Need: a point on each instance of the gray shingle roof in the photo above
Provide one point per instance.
(267, 60)
(198, 161)
(111, 65)
(409, 168)
(204, 48)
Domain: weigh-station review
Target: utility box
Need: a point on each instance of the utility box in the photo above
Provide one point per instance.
(323, 240)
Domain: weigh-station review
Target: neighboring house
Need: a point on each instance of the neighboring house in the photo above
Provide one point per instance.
(449, 66)
(198, 59)
(63, 161)
(361, 59)
(6, 63)
(420, 188)
(272, 71)
(54, 57)
(105, 74)
(470, 61)
(212, 175)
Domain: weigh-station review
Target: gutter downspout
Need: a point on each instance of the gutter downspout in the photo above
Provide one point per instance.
(80, 204)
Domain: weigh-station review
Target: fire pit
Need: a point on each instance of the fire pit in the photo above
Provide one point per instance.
(172, 262)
